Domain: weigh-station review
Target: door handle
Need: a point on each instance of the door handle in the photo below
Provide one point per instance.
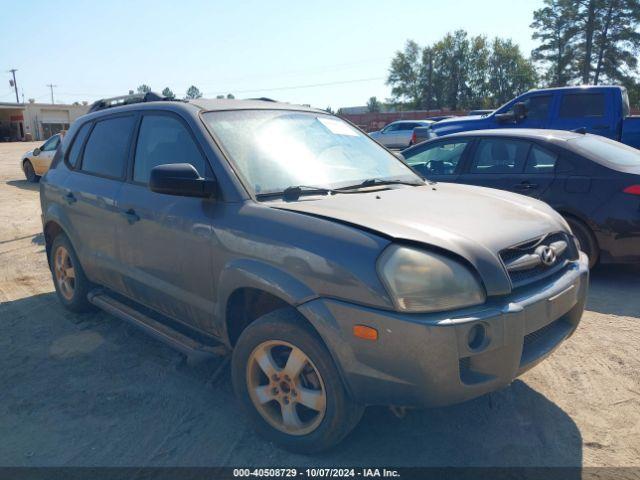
(130, 215)
(70, 198)
(526, 186)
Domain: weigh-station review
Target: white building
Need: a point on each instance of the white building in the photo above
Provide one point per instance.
(36, 121)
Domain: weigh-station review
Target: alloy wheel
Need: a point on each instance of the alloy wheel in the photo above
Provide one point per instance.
(286, 387)
(64, 272)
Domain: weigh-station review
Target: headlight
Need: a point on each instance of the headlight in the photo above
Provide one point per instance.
(421, 281)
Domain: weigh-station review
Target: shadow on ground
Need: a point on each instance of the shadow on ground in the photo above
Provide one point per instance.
(91, 390)
(23, 184)
(610, 283)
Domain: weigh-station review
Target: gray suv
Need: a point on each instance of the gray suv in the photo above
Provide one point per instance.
(335, 275)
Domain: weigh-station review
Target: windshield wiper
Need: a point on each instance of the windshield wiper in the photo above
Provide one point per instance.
(297, 191)
(374, 182)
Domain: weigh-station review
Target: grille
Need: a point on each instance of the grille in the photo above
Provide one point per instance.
(539, 271)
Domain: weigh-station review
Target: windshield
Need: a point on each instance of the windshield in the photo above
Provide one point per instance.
(276, 149)
(605, 151)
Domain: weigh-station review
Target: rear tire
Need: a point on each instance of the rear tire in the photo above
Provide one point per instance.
(269, 400)
(69, 279)
(586, 240)
(29, 172)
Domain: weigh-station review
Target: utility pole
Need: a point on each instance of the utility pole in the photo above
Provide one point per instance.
(51, 87)
(15, 85)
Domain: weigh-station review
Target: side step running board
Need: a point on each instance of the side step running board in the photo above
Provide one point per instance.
(189, 346)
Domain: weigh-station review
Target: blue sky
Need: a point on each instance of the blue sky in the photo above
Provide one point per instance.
(329, 53)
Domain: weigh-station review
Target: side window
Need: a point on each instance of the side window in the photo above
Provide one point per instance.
(163, 139)
(392, 127)
(538, 107)
(107, 148)
(74, 152)
(500, 155)
(580, 105)
(51, 144)
(440, 159)
(407, 126)
(541, 161)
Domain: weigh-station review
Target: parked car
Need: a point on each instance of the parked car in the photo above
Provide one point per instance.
(36, 162)
(592, 181)
(398, 134)
(336, 275)
(591, 109)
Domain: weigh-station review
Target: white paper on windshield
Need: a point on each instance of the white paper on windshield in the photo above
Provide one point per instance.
(337, 127)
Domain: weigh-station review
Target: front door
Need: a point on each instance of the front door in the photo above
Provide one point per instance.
(42, 161)
(539, 108)
(438, 161)
(165, 242)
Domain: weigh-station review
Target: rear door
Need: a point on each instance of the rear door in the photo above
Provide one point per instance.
(497, 163)
(591, 110)
(440, 160)
(166, 241)
(91, 191)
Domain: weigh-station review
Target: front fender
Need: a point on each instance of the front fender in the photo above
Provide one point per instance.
(251, 273)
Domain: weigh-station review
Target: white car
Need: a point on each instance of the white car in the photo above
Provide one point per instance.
(398, 134)
(36, 162)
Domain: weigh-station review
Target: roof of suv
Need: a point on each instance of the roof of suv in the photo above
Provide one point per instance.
(205, 104)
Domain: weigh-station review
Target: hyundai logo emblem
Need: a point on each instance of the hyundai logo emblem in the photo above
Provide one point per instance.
(547, 255)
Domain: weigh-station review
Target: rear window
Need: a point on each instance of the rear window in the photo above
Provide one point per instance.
(107, 147)
(540, 161)
(580, 105)
(74, 153)
(607, 152)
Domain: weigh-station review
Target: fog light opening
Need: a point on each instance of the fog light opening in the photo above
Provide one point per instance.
(476, 336)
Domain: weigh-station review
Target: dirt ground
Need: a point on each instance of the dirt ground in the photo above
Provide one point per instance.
(92, 391)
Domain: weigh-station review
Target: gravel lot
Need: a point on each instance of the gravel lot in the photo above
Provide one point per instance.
(92, 391)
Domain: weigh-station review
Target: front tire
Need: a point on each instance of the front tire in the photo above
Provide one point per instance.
(30, 172)
(289, 385)
(586, 240)
(72, 285)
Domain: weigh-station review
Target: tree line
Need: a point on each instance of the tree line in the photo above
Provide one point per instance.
(459, 72)
(580, 42)
(192, 92)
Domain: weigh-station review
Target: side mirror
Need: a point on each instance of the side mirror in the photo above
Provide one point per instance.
(398, 155)
(519, 111)
(180, 179)
(36, 151)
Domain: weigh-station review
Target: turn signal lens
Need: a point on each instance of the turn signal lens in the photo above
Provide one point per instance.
(633, 190)
(364, 332)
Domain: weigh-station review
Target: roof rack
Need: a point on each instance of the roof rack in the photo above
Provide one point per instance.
(126, 100)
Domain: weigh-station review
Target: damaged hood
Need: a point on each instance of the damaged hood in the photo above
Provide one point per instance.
(473, 222)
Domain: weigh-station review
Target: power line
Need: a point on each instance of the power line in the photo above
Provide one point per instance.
(296, 87)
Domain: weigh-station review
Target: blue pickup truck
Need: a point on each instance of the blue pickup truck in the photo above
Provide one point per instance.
(601, 110)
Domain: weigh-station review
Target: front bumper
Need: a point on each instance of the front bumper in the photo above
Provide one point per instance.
(426, 359)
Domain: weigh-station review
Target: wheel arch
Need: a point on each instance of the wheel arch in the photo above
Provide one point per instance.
(54, 224)
(252, 288)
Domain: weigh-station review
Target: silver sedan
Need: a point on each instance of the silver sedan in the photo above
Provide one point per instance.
(398, 134)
